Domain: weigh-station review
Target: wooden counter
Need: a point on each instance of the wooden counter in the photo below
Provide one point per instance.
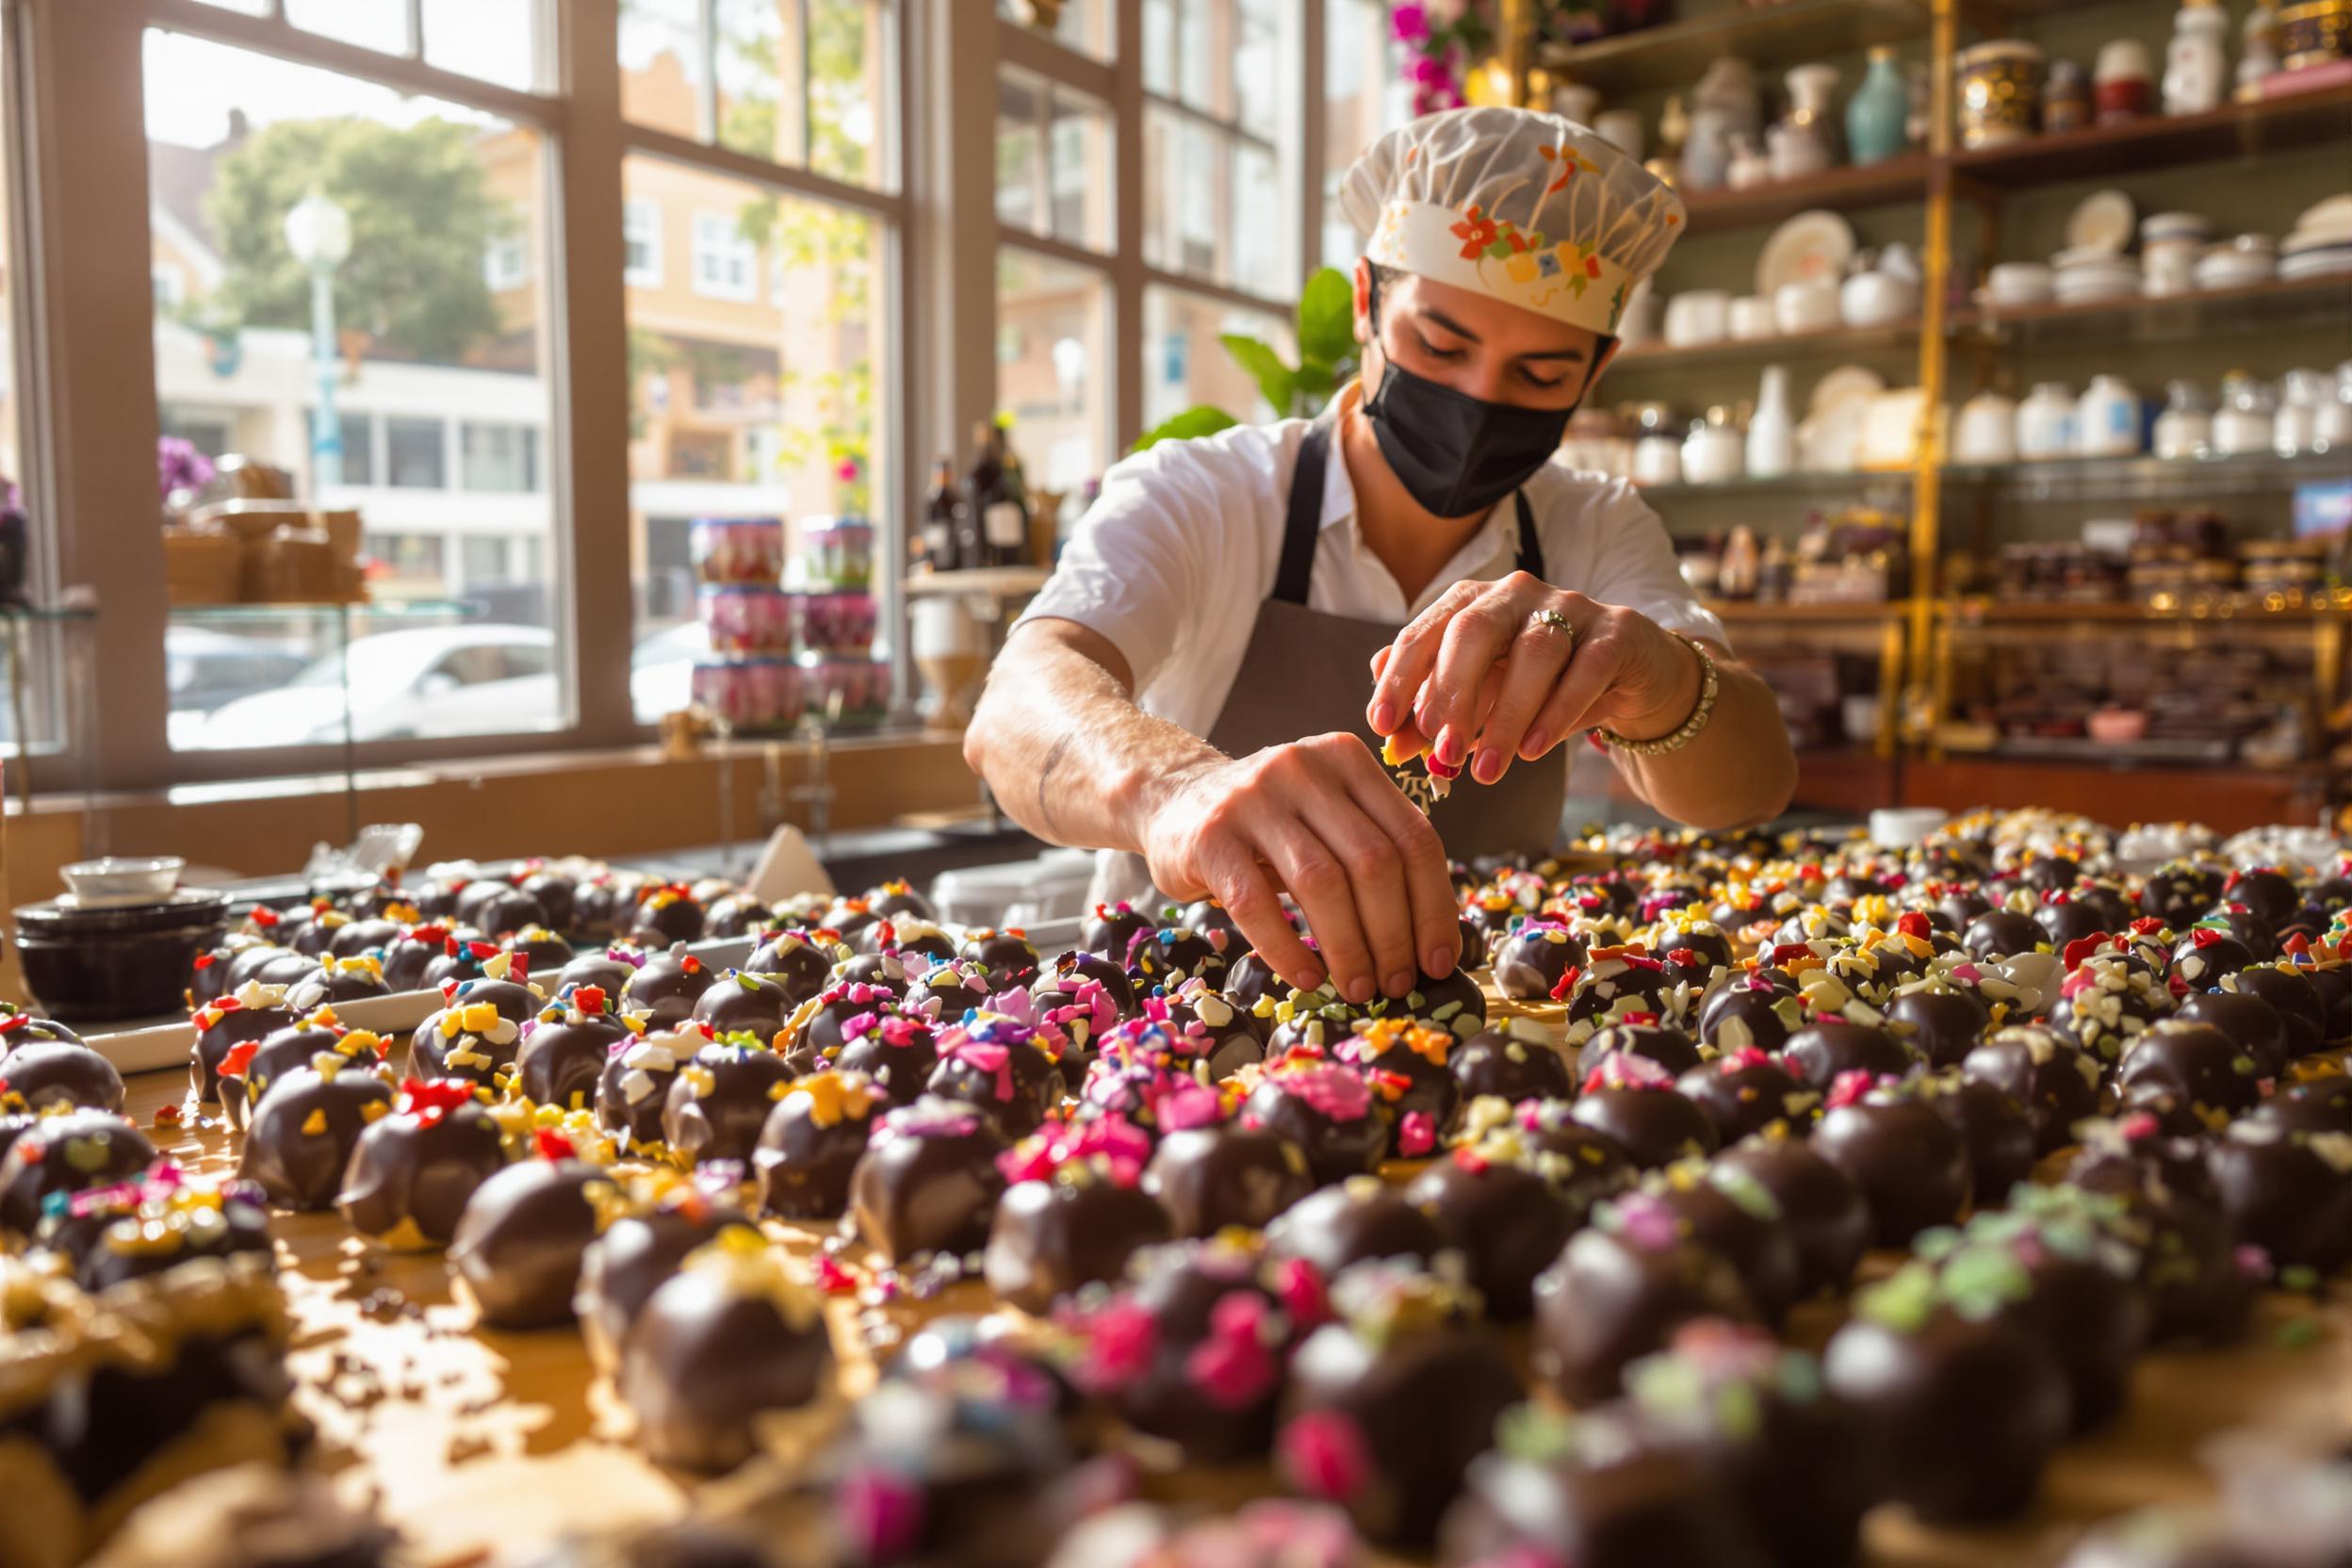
(478, 1441)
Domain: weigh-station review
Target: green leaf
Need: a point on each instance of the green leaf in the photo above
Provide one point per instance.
(1202, 420)
(1277, 381)
(1326, 317)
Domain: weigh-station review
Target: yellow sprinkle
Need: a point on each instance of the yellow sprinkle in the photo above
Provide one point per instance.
(316, 1122)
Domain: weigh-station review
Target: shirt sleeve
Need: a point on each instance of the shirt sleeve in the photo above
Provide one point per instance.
(1635, 567)
(1140, 563)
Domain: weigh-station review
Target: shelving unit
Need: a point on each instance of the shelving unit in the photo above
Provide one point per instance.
(1949, 181)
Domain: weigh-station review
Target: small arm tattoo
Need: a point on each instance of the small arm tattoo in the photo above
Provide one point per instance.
(1045, 773)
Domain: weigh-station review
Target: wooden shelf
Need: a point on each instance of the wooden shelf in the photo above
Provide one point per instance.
(2151, 478)
(1758, 612)
(1842, 189)
(1845, 483)
(1837, 343)
(1789, 32)
(2275, 305)
(991, 581)
(2234, 615)
(2160, 141)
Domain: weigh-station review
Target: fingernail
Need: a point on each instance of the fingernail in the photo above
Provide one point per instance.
(1357, 989)
(1383, 717)
(1535, 746)
(1314, 978)
(1489, 766)
(1398, 984)
(1438, 963)
(1449, 748)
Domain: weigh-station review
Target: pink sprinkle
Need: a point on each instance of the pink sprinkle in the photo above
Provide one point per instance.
(1416, 1134)
(1647, 1223)
(2253, 1262)
(1120, 1341)
(2139, 1125)
(832, 1278)
(880, 1514)
(1332, 1092)
(1323, 1456)
(1849, 1087)
(1299, 1288)
(1233, 1365)
(1194, 1105)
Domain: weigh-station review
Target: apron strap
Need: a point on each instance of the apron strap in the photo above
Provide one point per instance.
(1303, 519)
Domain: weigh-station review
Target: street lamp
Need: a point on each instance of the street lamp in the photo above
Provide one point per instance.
(319, 233)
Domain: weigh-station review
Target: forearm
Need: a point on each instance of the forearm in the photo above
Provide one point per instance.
(1062, 744)
(1737, 770)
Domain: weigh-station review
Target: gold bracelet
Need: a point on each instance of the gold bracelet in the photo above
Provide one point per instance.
(1689, 727)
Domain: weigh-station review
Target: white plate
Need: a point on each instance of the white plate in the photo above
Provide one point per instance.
(2232, 273)
(1845, 385)
(2103, 221)
(2335, 210)
(1812, 245)
(2317, 264)
(2314, 237)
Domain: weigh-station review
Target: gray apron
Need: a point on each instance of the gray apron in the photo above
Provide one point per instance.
(1307, 672)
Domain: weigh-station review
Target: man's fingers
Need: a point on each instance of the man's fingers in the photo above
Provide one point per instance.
(1320, 884)
(1538, 656)
(1475, 641)
(1240, 883)
(1376, 878)
(1412, 656)
(1434, 921)
(1595, 665)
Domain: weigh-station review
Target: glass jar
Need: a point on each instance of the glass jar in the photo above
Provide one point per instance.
(2243, 423)
(2186, 427)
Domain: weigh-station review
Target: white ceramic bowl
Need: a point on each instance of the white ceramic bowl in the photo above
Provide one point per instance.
(2018, 283)
(2173, 225)
(123, 880)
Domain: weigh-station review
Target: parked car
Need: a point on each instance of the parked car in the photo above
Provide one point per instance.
(204, 669)
(422, 681)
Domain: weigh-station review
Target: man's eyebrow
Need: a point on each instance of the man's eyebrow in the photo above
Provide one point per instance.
(1468, 336)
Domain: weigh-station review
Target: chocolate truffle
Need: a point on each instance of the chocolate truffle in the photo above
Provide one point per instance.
(65, 1072)
(928, 1181)
(897, 1052)
(2296, 999)
(1824, 1211)
(1618, 981)
(1407, 1063)
(947, 991)
(562, 1051)
(1534, 960)
(2195, 1062)
(1167, 955)
(668, 916)
(302, 1130)
(1963, 1403)
(1490, 1201)
(2050, 1075)
(1999, 933)
(411, 1172)
(633, 1090)
(1641, 1035)
(243, 1016)
(1618, 1292)
(1632, 1099)
(2252, 1021)
(1999, 1133)
(1745, 1091)
(1513, 1059)
(1911, 1166)
(811, 1144)
(1827, 1048)
(466, 1040)
(2288, 1192)
(667, 985)
(517, 1246)
(719, 1101)
(1352, 1221)
(152, 1223)
(798, 959)
(1194, 1350)
(1732, 1215)
(1009, 1069)
(1757, 1010)
(655, 1223)
(742, 1003)
(729, 1341)
(2105, 1004)
(1388, 1406)
(1332, 1114)
(338, 980)
(1941, 1021)
(1073, 1212)
(609, 970)
(1211, 1179)
(2206, 953)
(66, 1151)
(1112, 929)
(1058, 982)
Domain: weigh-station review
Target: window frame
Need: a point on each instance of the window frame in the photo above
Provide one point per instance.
(573, 107)
(1118, 85)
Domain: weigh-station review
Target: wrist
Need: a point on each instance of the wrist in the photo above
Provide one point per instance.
(1682, 695)
(1147, 779)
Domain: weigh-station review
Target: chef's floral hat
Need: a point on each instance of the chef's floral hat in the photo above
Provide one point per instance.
(1532, 209)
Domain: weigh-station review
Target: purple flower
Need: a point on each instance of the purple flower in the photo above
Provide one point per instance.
(1408, 24)
(180, 467)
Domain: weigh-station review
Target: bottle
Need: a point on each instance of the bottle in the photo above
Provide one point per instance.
(1772, 428)
(2196, 61)
(1878, 114)
(943, 519)
(1001, 531)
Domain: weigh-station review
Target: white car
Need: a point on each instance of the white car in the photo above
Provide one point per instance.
(417, 683)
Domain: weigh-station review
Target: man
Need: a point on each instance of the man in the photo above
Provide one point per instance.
(1241, 621)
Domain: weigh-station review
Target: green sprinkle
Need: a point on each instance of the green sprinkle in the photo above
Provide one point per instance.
(2299, 1333)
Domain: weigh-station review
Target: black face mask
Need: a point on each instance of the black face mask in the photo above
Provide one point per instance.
(1456, 454)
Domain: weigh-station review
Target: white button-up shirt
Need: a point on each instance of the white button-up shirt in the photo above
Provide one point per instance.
(1173, 562)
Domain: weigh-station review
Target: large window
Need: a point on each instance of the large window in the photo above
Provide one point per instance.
(759, 365)
(383, 347)
(1111, 304)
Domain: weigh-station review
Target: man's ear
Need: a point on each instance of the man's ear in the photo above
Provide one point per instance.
(1363, 299)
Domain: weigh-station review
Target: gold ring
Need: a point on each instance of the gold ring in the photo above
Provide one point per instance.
(1537, 620)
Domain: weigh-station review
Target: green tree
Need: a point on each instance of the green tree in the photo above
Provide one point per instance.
(422, 217)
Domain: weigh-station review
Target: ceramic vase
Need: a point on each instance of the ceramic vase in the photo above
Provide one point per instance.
(1878, 114)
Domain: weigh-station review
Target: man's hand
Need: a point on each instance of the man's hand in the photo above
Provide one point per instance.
(1478, 668)
(1316, 818)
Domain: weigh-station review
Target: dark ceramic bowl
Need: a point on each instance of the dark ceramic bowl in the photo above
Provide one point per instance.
(102, 966)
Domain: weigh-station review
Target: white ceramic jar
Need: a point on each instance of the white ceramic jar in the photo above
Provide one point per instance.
(2107, 419)
(2046, 423)
(2243, 424)
(1714, 452)
(2186, 427)
(1986, 431)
